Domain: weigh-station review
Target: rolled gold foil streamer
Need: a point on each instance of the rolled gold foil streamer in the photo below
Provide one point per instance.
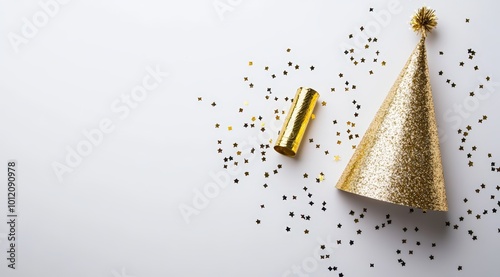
(296, 121)
(398, 160)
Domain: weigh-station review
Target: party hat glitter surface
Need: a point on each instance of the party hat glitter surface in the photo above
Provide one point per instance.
(398, 160)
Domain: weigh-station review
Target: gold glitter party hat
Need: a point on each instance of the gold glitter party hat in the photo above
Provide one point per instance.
(398, 160)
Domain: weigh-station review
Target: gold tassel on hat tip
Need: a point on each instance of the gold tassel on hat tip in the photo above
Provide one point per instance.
(424, 21)
(398, 159)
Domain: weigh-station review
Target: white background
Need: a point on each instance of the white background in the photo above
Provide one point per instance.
(117, 212)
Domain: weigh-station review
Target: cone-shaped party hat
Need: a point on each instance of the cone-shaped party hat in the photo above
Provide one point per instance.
(398, 160)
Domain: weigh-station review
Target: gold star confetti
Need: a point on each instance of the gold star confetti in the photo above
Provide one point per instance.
(229, 128)
(250, 63)
(321, 177)
(342, 133)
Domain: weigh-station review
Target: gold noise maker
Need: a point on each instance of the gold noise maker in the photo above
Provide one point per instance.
(296, 121)
(398, 160)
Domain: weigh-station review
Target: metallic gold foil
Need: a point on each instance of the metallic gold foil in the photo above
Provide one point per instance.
(398, 160)
(295, 124)
(424, 21)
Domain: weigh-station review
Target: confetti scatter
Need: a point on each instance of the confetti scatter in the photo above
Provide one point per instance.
(246, 139)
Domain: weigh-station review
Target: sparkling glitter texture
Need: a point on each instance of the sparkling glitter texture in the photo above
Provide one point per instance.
(295, 124)
(398, 160)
